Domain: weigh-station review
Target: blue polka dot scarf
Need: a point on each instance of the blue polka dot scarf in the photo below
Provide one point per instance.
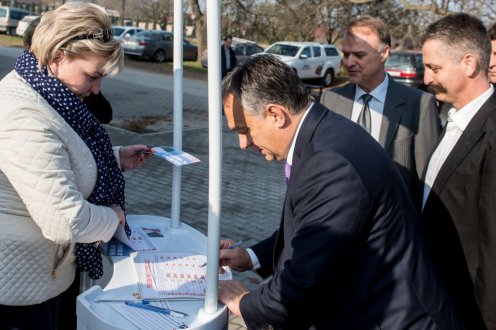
(109, 187)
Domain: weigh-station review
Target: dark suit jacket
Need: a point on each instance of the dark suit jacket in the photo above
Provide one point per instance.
(224, 69)
(350, 252)
(409, 128)
(460, 219)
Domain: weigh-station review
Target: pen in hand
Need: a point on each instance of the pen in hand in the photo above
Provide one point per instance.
(235, 245)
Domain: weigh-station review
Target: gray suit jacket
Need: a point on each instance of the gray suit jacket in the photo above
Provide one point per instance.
(409, 129)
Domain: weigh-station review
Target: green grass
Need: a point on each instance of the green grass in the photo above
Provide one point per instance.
(10, 41)
(190, 66)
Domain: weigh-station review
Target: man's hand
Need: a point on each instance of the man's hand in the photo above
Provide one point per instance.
(237, 259)
(230, 294)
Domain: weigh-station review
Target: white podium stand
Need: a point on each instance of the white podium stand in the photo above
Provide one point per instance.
(93, 315)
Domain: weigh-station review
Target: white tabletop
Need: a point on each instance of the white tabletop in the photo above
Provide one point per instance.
(122, 280)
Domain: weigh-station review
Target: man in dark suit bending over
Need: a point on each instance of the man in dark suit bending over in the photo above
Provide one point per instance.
(459, 198)
(349, 234)
(404, 120)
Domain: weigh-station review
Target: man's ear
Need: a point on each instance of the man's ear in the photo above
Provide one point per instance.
(277, 114)
(385, 53)
(469, 64)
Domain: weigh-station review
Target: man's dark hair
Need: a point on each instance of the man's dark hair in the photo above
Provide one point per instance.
(461, 34)
(265, 79)
(227, 37)
(492, 31)
(28, 33)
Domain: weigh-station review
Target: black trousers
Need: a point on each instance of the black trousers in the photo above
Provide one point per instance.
(58, 313)
(34, 317)
(67, 313)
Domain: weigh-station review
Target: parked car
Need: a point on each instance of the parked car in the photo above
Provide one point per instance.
(124, 31)
(406, 67)
(243, 49)
(156, 45)
(10, 17)
(24, 23)
(310, 60)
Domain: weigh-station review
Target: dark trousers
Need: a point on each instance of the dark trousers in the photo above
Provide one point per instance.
(67, 314)
(56, 313)
(34, 317)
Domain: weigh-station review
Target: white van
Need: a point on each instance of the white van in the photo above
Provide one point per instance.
(24, 23)
(9, 17)
(310, 60)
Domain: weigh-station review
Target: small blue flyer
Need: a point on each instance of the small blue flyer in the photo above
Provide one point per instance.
(176, 157)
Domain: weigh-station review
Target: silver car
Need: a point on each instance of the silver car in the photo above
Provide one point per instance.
(156, 45)
(126, 32)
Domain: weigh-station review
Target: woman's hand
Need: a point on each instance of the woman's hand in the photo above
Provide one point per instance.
(120, 213)
(133, 157)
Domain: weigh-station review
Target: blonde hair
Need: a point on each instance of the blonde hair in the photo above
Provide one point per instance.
(80, 30)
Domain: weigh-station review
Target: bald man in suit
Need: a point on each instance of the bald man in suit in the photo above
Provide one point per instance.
(404, 120)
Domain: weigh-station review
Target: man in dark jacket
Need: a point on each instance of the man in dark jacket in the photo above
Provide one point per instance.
(227, 56)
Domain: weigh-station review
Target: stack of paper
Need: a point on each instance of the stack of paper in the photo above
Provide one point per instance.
(177, 275)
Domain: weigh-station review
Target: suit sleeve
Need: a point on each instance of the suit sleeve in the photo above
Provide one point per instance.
(485, 278)
(264, 252)
(325, 99)
(428, 131)
(233, 58)
(329, 208)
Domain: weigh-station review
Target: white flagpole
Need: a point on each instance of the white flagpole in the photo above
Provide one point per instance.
(215, 152)
(178, 111)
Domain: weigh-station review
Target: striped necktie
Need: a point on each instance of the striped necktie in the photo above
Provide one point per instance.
(364, 117)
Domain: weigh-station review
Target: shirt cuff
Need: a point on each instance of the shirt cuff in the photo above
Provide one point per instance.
(254, 259)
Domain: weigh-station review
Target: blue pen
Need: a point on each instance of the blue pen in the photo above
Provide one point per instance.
(146, 305)
(235, 245)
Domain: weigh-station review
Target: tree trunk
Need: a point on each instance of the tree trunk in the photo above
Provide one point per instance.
(199, 21)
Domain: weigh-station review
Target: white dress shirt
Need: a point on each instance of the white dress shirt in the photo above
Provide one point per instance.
(457, 123)
(376, 106)
(289, 160)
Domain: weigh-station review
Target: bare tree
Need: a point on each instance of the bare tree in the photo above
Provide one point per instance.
(199, 20)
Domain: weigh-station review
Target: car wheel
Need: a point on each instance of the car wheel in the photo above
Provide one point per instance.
(11, 31)
(159, 56)
(328, 78)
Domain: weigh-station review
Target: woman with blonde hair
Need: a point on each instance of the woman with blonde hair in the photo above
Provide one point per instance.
(61, 181)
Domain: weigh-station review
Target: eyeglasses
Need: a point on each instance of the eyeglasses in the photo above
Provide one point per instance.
(104, 35)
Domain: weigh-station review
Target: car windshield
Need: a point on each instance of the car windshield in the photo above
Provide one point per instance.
(117, 31)
(284, 50)
(399, 60)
